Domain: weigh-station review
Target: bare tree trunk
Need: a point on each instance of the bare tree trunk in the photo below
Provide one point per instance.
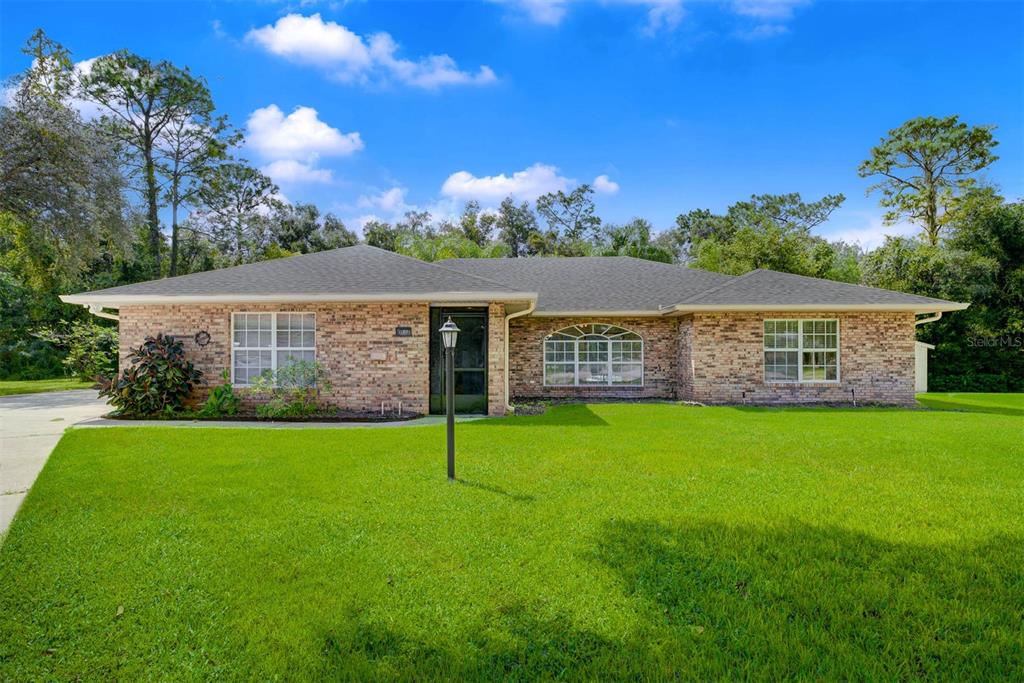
(152, 218)
(174, 235)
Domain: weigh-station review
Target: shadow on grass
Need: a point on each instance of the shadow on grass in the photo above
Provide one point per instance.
(939, 404)
(571, 415)
(718, 602)
(518, 497)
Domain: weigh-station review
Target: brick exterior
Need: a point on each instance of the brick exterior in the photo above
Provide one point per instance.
(706, 357)
(526, 359)
(364, 361)
(725, 364)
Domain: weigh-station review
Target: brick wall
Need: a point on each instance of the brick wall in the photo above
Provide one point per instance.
(496, 359)
(526, 359)
(876, 359)
(356, 343)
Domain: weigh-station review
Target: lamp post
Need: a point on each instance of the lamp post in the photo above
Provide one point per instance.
(449, 336)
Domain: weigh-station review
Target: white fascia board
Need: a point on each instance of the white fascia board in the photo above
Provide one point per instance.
(119, 300)
(824, 307)
(595, 314)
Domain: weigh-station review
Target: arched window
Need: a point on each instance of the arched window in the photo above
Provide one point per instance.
(593, 355)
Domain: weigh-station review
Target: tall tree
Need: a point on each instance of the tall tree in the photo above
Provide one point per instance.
(187, 147)
(633, 239)
(476, 225)
(768, 231)
(235, 200)
(515, 223)
(300, 229)
(141, 99)
(926, 166)
(381, 235)
(60, 180)
(571, 216)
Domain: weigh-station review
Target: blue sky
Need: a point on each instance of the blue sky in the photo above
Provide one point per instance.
(370, 108)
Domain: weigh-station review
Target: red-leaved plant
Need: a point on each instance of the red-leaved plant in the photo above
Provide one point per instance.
(158, 380)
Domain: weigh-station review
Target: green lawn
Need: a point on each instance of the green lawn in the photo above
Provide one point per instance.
(1004, 404)
(36, 386)
(602, 541)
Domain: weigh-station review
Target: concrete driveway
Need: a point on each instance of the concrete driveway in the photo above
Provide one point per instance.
(30, 426)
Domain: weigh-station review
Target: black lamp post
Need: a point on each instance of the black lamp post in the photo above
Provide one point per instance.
(449, 336)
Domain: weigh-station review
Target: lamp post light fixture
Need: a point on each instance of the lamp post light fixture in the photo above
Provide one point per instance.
(449, 336)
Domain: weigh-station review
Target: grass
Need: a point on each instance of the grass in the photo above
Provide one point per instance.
(1000, 404)
(592, 542)
(37, 386)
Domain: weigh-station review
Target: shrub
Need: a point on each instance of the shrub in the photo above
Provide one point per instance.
(222, 401)
(158, 380)
(294, 389)
(91, 348)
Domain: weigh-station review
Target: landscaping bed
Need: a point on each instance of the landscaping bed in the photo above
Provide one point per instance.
(337, 416)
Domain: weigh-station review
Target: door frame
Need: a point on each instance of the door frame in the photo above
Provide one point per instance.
(435, 350)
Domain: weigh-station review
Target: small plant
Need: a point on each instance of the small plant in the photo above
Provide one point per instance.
(294, 390)
(158, 380)
(222, 401)
(91, 348)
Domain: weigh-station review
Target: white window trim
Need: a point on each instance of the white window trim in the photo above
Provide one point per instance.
(576, 359)
(273, 348)
(800, 352)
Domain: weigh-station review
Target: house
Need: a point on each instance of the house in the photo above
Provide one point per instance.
(534, 328)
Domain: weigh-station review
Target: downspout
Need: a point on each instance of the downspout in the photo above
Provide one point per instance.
(928, 319)
(98, 311)
(526, 311)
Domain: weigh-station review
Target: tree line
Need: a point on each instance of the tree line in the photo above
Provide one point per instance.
(83, 205)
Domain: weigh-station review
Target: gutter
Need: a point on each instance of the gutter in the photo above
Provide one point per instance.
(97, 310)
(119, 300)
(822, 307)
(526, 311)
(929, 319)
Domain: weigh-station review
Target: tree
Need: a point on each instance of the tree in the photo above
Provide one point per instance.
(446, 246)
(571, 217)
(416, 223)
(141, 100)
(475, 225)
(692, 227)
(61, 186)
(187, 147)
(381, 235)
(515, 224)
(633, 239)
(926, 167)
(235, 201)
(768, 231)
(299, 229)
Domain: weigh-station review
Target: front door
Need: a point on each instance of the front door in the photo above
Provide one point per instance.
(470, 360)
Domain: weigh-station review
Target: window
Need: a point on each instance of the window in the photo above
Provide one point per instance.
(801, 350)
(264, 342)
(593, 355)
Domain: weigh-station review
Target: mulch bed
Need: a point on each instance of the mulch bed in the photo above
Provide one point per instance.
(341, 416)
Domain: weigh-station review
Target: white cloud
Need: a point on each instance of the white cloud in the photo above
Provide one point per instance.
(527, 184)
(389, 201)
(299, 135)
(767, 10)
(351, 57)
(292, 171)
(868, 230)
(314, 41)
(761, 31)
(661, 14)
(605, 185)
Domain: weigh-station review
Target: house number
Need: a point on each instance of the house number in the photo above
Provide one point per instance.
(403, 331)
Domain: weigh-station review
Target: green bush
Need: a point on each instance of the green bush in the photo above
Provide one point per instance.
(294, 390)
(158, 380)
(91, 348)
(29, 359)
(222, 401)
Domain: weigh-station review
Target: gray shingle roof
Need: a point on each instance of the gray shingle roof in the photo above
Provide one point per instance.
(351, 271)
(599, 285)
(595, 283)
(771, 288)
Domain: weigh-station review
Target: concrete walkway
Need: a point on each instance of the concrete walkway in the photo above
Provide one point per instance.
(30, 426)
